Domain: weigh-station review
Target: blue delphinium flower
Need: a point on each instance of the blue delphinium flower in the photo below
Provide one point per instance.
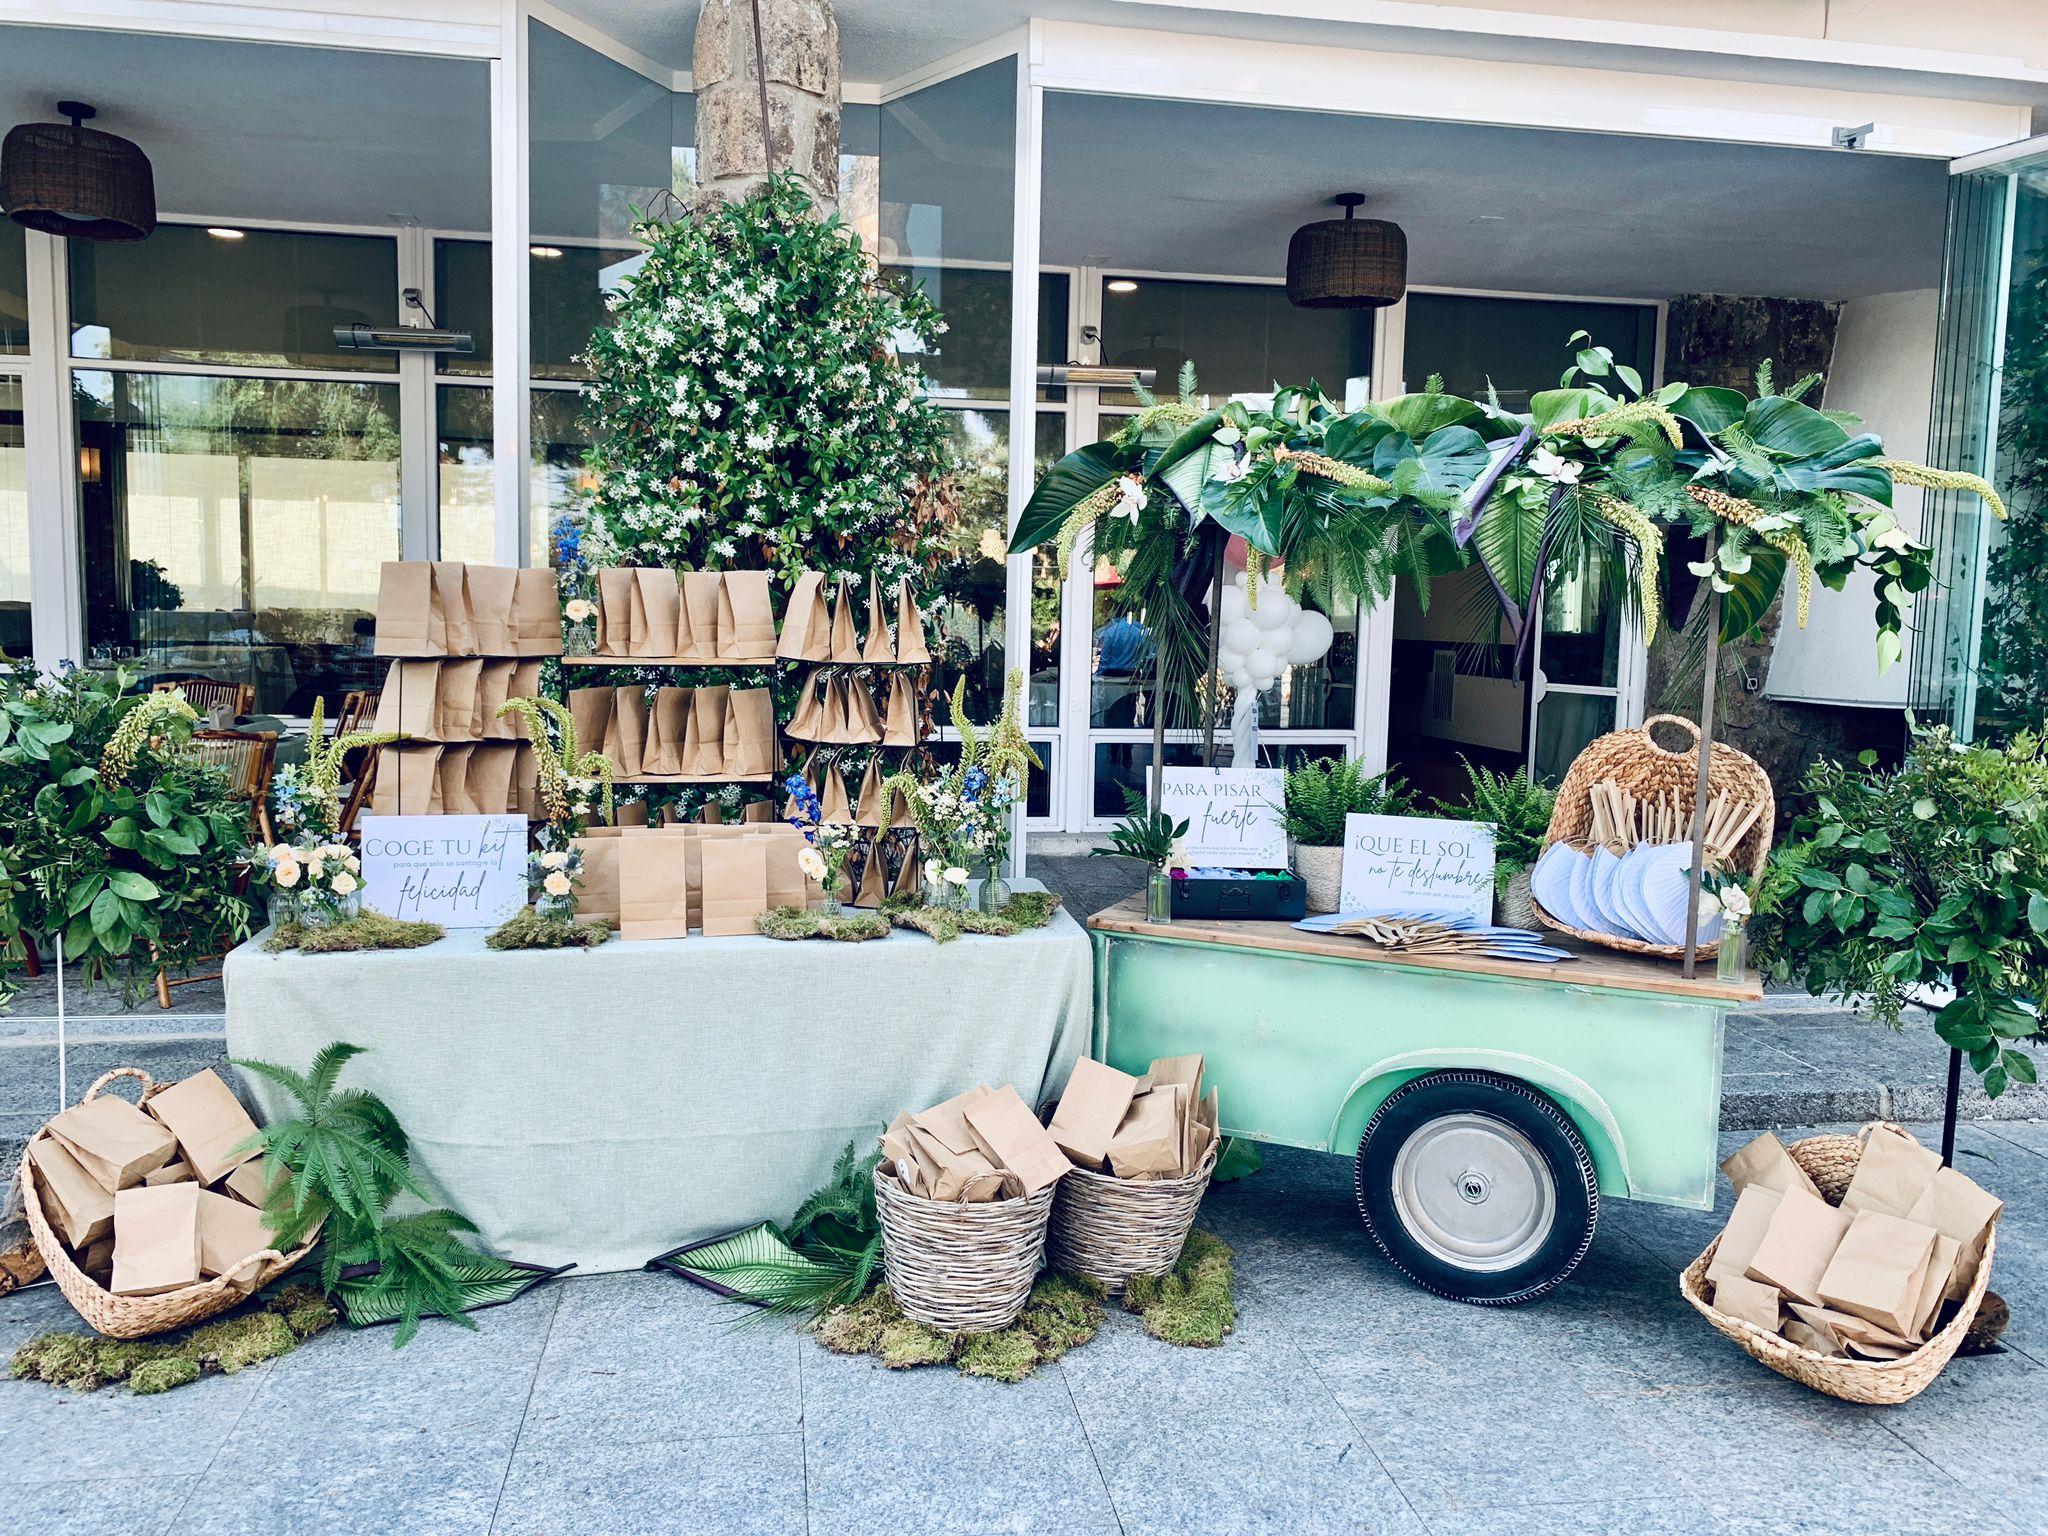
(973, 783)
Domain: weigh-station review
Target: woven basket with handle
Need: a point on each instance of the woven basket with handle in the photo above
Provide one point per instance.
(1644, 769)
(1830, 1161)
(138, 1317)
(959, 1267)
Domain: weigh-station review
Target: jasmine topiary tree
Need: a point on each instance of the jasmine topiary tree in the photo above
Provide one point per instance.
(748, 408)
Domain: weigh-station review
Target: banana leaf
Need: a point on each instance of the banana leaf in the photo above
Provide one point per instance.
(1547, 407)
(1841, 468)
(1791, 429)
(1066, 485)
(755, 1265)
(483, 1281)
(1709, 408)
(1187, 463)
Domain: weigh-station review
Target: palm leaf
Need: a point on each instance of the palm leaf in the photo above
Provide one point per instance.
(756, 1266)
(482, 1280)
(1065, 486)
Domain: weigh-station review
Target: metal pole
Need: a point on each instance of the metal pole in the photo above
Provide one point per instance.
(63, 1042)
(1215, 643)
(1699, 788)
(1158, 721)
(1948, 1112)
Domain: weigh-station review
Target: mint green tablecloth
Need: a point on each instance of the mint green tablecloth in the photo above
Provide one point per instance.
(600, 1107)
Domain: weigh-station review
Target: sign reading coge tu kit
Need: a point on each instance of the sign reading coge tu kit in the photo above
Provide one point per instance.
(1417, 864)
(1233, 815)
(458, 871)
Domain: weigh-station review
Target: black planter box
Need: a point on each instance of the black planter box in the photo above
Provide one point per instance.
(1246, 900)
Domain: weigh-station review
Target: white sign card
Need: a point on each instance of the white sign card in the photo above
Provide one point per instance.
(1233, 815)
(458, 871)
(1417, 864)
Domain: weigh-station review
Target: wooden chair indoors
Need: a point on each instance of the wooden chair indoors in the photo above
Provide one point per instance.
(250, 759)
(358, 713)
(207, 694)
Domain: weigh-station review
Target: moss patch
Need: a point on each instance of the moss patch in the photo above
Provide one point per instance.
(1024, 911)
(80, 1362)
(1190, 1304)
(1061, 1314)
(527, 929)
(803, 923)
(369, 930)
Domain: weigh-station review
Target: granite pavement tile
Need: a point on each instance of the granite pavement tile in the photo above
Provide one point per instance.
(346, 1496)
(99, 1506)
(1627, 1517)
(741, 1486)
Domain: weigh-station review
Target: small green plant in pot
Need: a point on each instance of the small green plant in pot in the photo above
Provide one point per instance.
(1153, 837)
(1318, 796)
(1518, 807)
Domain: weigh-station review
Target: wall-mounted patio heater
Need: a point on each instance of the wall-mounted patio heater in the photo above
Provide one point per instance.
(404, 338)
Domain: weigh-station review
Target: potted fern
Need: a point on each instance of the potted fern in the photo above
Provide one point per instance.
(1152, 837)
(1518, 807)
(1318, 796)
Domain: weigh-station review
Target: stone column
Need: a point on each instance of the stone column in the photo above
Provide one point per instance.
(800, 46)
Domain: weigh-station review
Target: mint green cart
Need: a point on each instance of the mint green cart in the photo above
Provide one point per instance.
(1488, 1105)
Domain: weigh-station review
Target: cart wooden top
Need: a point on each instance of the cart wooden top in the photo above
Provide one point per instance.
(1595, 967)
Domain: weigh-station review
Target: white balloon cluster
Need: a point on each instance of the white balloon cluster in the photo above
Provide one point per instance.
(1257, 644)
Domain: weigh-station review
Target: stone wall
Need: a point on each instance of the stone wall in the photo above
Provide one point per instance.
(800, 48)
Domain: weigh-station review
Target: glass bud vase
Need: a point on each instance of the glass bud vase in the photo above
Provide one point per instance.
(1730, 961)
(995, 892)
(579, 639)
(1159, 897)
(829, 905)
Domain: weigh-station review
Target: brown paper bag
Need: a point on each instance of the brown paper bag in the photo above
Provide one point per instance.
(490, 777)
(863, 721)
(1891, 1175)
(654, 885)
(1806, 1336)
(808, 716)
(76, 1203)
(179, 1172)
(878, 650)
(787, 886)
(910, 645)
(631, 813)
(1740, 1296)
(695, 838)
(409, 620)
(1765, 1162)
(697, 633)
(1956, 1206)
(490, 608)
(710, 813)
(704, 752)
(845, 646)
(250, 1183)
(451, 588)
(599, 897)
(536, 613)
(735, 886)
(1940, 1269)
(1149, 1140)
(868, 812)
(615, 611)
(493, 687)
(1744, 1234)
(625, 735)
(746, 618)
(900, 728)
(456, 688)
(949, 1176)
(114, 1141)
(1857, 1333)
(758, 812)
(832, 721)
(98, 1260)
(1802, 1238)
(1091, 1111)
(1879, 1269)
(525, 684)
(750, 747)
(874, 881)
(453, 776)
(832, 805)
(657, 612)
(229, 1232)
(526, 782)
(408, 782)
(156, 1239)
(212, 1128)
(409, 704)
(896, 1153)
(806, 627)
(590, 711)
(910, 873)
(668, 731)
(947, 1121)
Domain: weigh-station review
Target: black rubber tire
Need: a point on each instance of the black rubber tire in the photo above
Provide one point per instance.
(1407, 1110)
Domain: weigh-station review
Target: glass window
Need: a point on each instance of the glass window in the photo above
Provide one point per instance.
(568, 285)
(604, 141)
(467, 497)
(13, 288)
(1037, 788)
(1582, 630)
(1243, 338)
(234, 528)
(1517, 345)
(1566, 724)
(247, 298)
(973, 356)
(14, 611)
(1127, 765)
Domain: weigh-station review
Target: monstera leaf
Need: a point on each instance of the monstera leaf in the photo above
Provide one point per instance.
(1066, 485)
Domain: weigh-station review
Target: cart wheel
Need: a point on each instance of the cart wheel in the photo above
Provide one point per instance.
(1477, 1187)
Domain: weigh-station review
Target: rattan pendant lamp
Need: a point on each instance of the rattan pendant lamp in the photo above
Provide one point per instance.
(76, 181)
(1347, 263)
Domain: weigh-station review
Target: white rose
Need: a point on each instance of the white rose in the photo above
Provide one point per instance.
(812, 863)
(554, 859)
(344, 884)
(556, 884)
(579, 609)
(287, 874)
(1735, 902)
(956, 875)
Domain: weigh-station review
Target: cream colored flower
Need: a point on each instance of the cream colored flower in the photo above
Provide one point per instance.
(812, 863)
(554, 858)
(956, 875)
(283, 853)
(1735, 902)
(931, 871)
(556, 884)
(287, 873)
(344, 884)
(579, 610)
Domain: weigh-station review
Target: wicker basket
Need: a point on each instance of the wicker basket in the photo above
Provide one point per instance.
(1108, 1229)
(138, 1317)
(957, 1267)
(1646, 770)
(1830, 1161)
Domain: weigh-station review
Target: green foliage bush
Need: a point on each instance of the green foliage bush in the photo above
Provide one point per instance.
(1320, 794)
(1519, 807)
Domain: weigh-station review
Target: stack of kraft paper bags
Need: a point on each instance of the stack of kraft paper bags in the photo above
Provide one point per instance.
(154, 1199)
(1872, 1278)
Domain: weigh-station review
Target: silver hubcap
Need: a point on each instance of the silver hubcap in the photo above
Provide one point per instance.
(1474, 1192)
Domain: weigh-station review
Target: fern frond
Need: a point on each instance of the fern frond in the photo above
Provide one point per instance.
(1639, 420)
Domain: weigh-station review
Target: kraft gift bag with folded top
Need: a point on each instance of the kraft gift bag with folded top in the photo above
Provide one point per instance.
(409, 704)
(408, 782)
(1803, 1235)
(536, 613)
(697, 623)
(599, 897)
(878, 650)
(1878, 1270)
(874, 877)
(807, 719)
(832, 803)
(787, 886)
(845, 643)
(490, 608)
(900, 728)
(667, 732)
(658, 611)
(696, 837)
(910, 873)
(451, 588)
(832, 725)
(710, 814)
(1747, 1224)
(493, 688)
(863, 721)
(208, 1123)
(910, 646)
(896, 813)
(156, 1239)
(1957, 1207)
(1008, 1134)
(456, 686)
(654, 885)
(1891, 1175)
(490, 776)
(525, 684)
(806, 624)
(1764, 1161)
(76, 1204)
(813, 775)
(590, 711)
(751, 749)
(615, 611)
(1090, 1111)
(409, 619)
(453, 771)
(230, 1232)
(746, 618)
(704, 753)
(758, 811)
(735, 885)
(868, 810)
(631, 813)
(625, 739)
